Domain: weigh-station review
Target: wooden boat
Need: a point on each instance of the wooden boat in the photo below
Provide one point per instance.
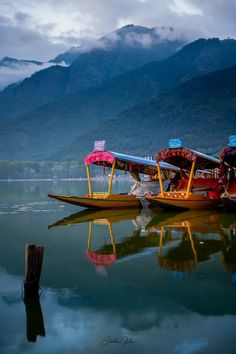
(228, 166)
(136, 166)
(190, 192)
(101, 200)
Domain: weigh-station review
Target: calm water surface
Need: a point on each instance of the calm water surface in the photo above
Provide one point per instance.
(122, 281)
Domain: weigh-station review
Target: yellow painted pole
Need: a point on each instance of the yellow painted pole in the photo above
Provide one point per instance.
(192, 243)
(111, 178)
(90, 235)
(89, 181)
(190, 179)
(160, 179)
(161, 241)
(112, 238)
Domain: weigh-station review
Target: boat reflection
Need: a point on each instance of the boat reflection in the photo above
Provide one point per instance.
(229, 245)
(89, 215)
(102, 259)
(113, 251)
(199, 237)
(181, 240)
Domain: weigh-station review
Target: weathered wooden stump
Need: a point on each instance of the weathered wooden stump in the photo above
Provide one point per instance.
(33, 266)
(34, 316)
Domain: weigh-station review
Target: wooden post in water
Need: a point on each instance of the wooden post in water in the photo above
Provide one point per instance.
(33, 266)
(34, 315)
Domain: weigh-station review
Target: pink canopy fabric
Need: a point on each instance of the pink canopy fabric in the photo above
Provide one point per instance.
(100, 156)
(100, 258)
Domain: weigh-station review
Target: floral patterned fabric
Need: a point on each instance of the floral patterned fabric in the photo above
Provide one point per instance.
(103, 157)
(101, 259)
(183, 158)
(228, 155)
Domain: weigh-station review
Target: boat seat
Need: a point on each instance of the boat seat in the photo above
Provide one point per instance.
(199, 191)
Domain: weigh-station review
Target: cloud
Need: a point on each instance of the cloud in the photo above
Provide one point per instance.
(21, 17)
(16, 41)
(184, 7)
(206, 18)
(69, 325)
(141, 36)
(51, 26)
(18, 72)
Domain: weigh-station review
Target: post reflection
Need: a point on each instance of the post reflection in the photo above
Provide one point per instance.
(34, 319)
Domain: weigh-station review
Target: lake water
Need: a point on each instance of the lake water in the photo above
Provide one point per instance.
(122, 281)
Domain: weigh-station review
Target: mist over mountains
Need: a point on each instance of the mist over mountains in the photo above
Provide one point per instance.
(13, 71)
(135, 87)
(90, 69)
(157, 43)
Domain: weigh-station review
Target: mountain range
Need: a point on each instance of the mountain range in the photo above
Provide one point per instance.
(91, 68)
(135, 88)
(147, 44)
(13, 71)
(201, 111)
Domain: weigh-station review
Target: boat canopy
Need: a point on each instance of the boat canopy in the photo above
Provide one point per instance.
(228, 156)
(101, 259)
(184, 157)
(130, 163)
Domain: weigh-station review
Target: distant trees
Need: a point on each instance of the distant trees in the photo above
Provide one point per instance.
(41, 169)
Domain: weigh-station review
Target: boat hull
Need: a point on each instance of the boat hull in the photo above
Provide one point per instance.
(112, 201)
(194, 201)
(101, 216)
(229, 202)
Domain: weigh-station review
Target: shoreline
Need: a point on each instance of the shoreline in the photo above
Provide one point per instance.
(80, 179)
